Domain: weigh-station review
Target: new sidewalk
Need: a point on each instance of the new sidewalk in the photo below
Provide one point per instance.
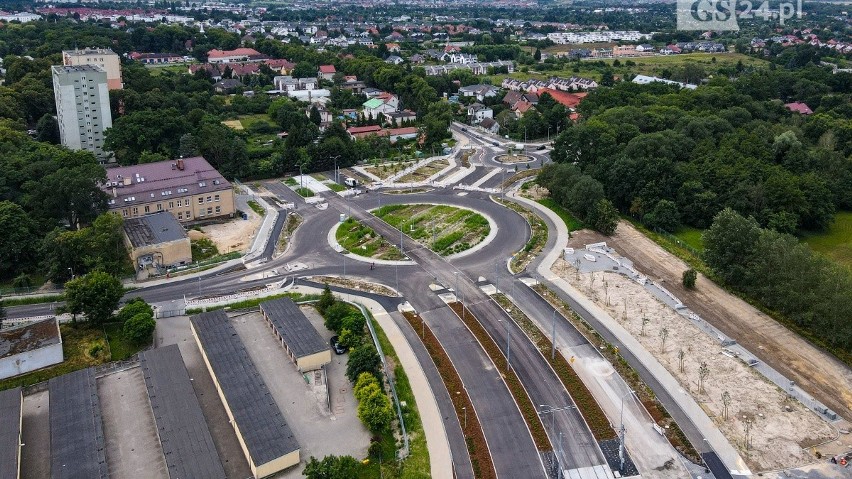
(711, 434)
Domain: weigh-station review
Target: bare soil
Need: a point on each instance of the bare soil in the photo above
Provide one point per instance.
(234, 235)
(783, 428)
(816, 371)
(424, 172)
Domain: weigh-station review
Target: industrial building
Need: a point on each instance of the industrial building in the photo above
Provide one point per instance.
(182, 430)
(82, 107)
(77, 446)
(266, 439)
(29, 347)
(189, 188)
(104, 58)
(11, 412)
(300, 339)
(157, 240)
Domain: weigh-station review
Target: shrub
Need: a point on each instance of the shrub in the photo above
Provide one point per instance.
(326, 300)
(689, 277)
(363, 359)
(335, 314)
(132, 308)
(139, 328)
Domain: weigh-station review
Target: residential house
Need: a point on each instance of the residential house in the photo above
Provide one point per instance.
(363, 131)
(326, 72)
(288, 83)
(568, 100)
(325, 115)
(158, 58)
(490, 125)
(481, 92)
(460, 58)
(399, 118)
(357, 86)
(394, 60)
(417, 59)
(392, 47)
(227, 85)
(799, 107)
(375, 107)
(238, 55)
(477, 112)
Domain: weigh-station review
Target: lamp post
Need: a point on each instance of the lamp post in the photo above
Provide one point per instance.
(621, 430)
(552, 410)
(553, 336)
(456, 274)
(508, 345)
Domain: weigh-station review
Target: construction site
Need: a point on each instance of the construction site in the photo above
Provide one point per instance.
(769, 427)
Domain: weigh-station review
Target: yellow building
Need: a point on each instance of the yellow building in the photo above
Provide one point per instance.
(157, 240)
(190, 189)
(102, 57)
(296, 333)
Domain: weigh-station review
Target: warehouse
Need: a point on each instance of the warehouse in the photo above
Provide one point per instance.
(27, 348)
(301, 341)
(266, 439)
(11, 413)
(181, 427)
(76, 431)
(157, 240)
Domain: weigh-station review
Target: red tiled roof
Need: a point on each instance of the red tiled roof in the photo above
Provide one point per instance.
(570, 100)
(403, 131)
(232, 53)
(799, 107)
(327, 69)
(363, 129)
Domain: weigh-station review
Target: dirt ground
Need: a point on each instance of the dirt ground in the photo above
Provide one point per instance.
(234, 235)
(782, 427)
(816, 371)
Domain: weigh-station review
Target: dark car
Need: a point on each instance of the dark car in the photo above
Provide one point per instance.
(464, 129)
(541, 147)
(495, 143)
(336, 346)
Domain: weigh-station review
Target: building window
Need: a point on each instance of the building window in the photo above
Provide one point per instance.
(218, 209)
(209, 211)
(200, 200)
(147, 209)
(180, 215)
(171, 204)
(124, 212)
(201, 212)
(216, 198)
(135, 211)
(159, 207)
(209, 199)
(188, 215)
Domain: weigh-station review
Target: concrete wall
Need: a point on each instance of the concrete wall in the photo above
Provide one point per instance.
(271, 467)
(314, 361)
(31, 360)
(166, 254)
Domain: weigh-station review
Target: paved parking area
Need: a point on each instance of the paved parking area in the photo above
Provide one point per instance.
(35, 453)
(176, 331)
(319, 432)
(132, 447)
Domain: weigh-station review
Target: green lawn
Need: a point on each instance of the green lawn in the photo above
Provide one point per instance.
(304, 192)
(692, 237)
(571, 222)
(444, 229)
(120, 348)
(336, 187)
(836, 243)
(255, 206)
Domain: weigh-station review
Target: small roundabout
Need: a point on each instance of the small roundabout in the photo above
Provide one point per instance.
(450, 231)
(513, 159)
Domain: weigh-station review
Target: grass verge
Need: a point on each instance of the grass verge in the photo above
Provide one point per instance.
(51, 298)
(571, 222)
(836, 243)
(120, 348)
(255, 206)
(254, 303)
(480, 458)
(304, 192)
(538, 237)
(522, 399)
(673, 432)
(290, 181)
(335, 187)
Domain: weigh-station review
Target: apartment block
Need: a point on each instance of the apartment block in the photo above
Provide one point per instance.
(103, 57)
(82, 107)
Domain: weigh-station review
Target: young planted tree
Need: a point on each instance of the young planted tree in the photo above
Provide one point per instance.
(688, 279)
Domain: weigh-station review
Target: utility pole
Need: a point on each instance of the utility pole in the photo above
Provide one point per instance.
(553, 336)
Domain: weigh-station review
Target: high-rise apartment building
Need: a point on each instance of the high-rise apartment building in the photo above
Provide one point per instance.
(82, 107)
(103, 57)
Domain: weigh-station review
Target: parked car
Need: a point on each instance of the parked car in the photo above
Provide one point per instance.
(495, 143)
(336, 346)
(541, 147)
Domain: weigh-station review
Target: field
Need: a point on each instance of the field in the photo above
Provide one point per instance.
(388, 168)
(444, 229)
(836, 243)
(691, 237)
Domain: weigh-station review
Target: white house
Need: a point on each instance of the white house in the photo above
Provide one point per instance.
(478, 112)
(481, 92)
(30, 347)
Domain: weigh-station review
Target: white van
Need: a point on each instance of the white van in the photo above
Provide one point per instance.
(350, 182)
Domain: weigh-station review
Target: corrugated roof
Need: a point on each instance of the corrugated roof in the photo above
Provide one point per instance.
(76, 431)
(261, 424)
(289, 321)
(10, 431)
(29, 337)
(184, 436)
(157, 228)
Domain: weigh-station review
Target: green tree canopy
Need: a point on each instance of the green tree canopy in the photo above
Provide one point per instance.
(94, 294)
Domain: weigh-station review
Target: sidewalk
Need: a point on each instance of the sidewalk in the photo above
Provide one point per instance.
(711, 434)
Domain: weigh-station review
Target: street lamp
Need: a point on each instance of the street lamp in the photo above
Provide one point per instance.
(621, 430)
(456, 274)
(508, 345)
(553, 336)
(552, 411)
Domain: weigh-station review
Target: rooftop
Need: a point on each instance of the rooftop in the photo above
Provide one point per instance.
(135, 184)
(327, 69)
(373, 103)
(239, 52)
(184, 436)
(289, 321)
(76, 432)
(10, 431)
(29, 337)
(264, 431)
(157, 228)
(76, 68)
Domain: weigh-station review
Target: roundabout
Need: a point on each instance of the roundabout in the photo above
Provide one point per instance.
(509, 159)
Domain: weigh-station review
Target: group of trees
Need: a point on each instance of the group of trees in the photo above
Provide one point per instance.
(672, 157)
(580, 194)
(783, 274)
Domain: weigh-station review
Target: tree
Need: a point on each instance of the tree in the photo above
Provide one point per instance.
(363, 359)
(133, 307)
(326, 300)
(664, 216)
(188, 146)
(139, 328)
(334, 315)
(17, 245)
(730, 245)
(688, 278)
(47, 129)
(331, 467)
(607, 78)
(537, 55)
(95, 294)
(315, 117)
(603, 217)
(374, 409)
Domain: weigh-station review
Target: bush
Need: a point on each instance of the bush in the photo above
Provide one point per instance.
(689, 277)
(363, 359)
(334, 315)
(331, 467)
(132, 308)
(374, 408)
(139, 328)
(326, 300)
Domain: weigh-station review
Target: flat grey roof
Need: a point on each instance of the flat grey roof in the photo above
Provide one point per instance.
(29, 337)
(10, 432)
(76, 431)
(298, 332)
(157, 228)
(184, 436)
(261, 424)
